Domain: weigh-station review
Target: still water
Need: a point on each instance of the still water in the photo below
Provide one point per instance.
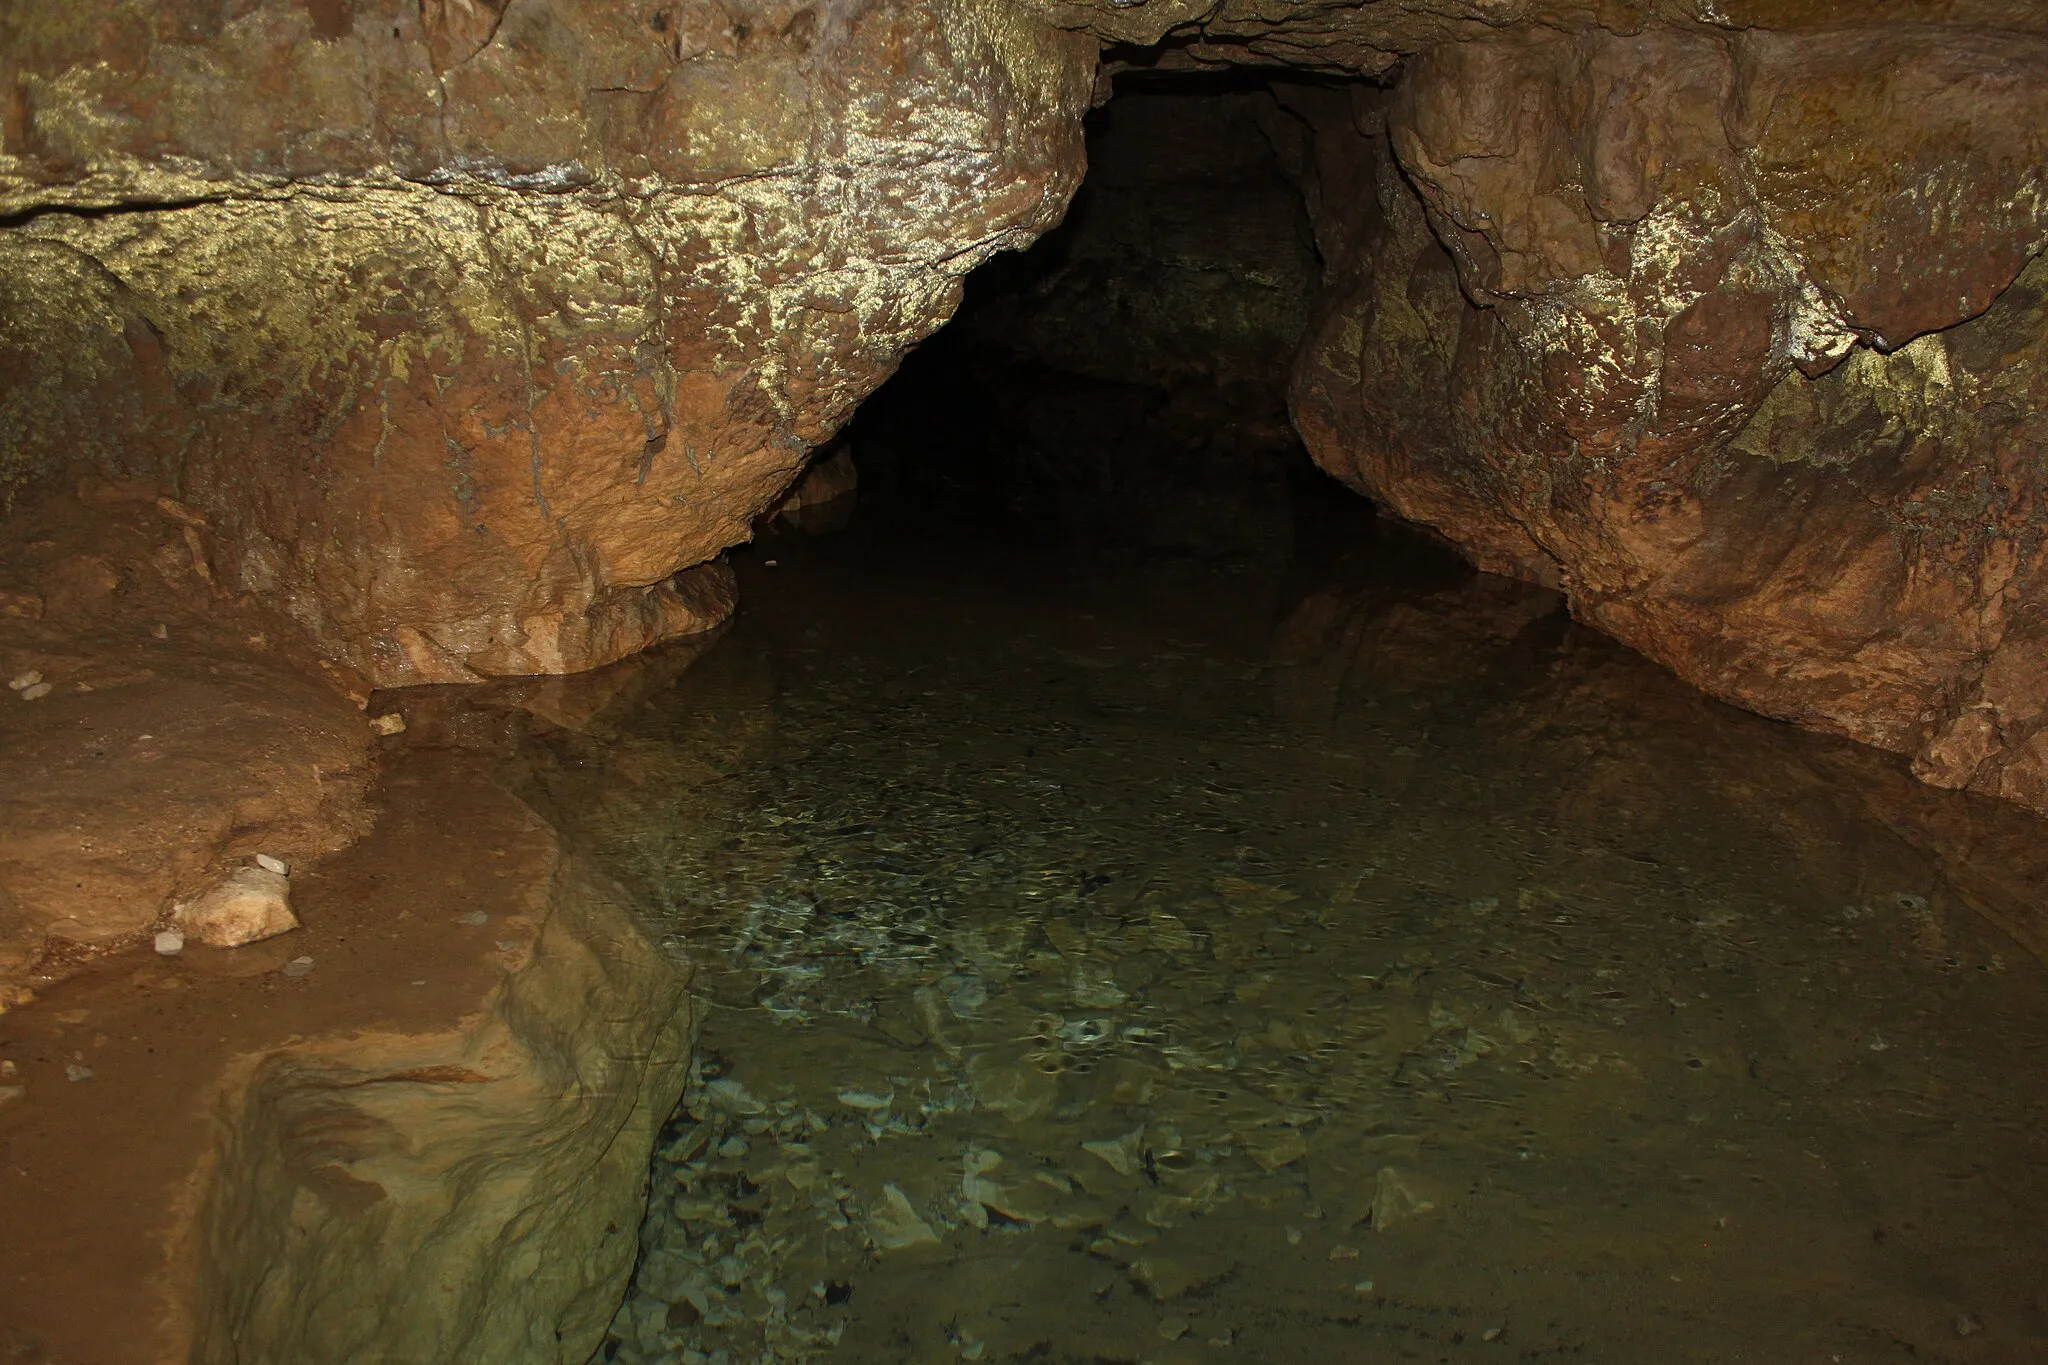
(1365, 967)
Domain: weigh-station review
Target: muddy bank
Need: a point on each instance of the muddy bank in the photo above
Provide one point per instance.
(414, 1129)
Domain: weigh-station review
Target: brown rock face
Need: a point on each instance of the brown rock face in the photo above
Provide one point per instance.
(1720, 333)
(475, 332)
(166, 741)
(468, 326)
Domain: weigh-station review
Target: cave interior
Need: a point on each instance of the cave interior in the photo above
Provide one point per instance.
(697, 681)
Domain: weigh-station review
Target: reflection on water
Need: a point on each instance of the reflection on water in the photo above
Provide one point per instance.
(1110, 975)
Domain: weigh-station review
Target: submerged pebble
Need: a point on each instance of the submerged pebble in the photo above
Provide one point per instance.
(1037, 1025)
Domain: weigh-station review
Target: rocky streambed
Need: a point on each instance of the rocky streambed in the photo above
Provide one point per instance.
(1084, 978)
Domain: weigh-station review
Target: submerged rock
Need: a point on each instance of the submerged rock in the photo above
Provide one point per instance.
(1397, 1201)
(894, 1223)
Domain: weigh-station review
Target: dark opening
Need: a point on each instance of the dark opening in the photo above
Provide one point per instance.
(1119, 391)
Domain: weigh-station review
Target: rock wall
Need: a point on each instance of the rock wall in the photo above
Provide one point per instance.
(467, 326)
(1720, 333)
(476, 331)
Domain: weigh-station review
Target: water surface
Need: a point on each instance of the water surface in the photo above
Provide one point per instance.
(1368, 968)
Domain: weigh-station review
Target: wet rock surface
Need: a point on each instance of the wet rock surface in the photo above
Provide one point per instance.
(164, 731)
(1087, 976)
(477, 333)
(1668, 319)
(414, 1129)
(470, 326)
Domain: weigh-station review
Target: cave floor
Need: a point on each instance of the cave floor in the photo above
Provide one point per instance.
(1099, 972)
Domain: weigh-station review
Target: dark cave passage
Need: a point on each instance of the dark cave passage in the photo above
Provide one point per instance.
(1120, 389)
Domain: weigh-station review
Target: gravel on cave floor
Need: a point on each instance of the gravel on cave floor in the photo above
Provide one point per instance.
(1444, 983)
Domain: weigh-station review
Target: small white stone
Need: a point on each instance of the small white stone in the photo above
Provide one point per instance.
(298, 966)
(37, 692)
(390, 723)
(474, 917)
(75, 1072)
(170, 942)
(270, 864)
(248, 904)
(160, 631)
(25, 680)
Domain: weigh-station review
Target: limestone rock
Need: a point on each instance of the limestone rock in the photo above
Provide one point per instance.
(467, 1194)
(150, 765)
(466, 337)
(575, 295)
(1670, 322)
(247, 905)
(895, 1224)
(1396, 1200)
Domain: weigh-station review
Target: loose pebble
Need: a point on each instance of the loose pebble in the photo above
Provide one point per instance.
(270, 864)
(390, 723)
(159, 631)
(473, 917)
(22, 681)
(248, 904)
(170, 942)
(1968, 1324)
(506, 945)
(75, 1072)
(36, 692)
(1362, 1287)
(1492, 1334)
(11, 1093)
(298, 966)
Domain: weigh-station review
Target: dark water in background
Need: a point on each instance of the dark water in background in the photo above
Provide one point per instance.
(1359, 964)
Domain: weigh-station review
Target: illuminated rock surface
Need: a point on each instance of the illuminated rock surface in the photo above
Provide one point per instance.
(372, 343)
